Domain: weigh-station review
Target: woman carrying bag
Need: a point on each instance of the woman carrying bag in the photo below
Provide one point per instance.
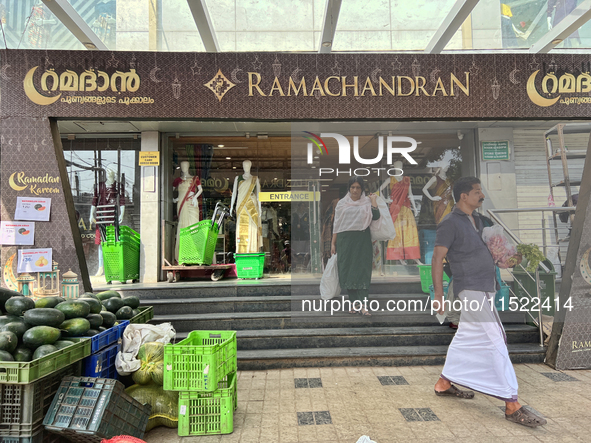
(352, 239)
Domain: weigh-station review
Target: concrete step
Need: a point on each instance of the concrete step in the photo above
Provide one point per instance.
(250, 340)
(248, 288)
(367, 356)
(297, 320)
(266, 303)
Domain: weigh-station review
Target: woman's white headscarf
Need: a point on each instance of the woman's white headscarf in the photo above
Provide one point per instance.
(351, 215)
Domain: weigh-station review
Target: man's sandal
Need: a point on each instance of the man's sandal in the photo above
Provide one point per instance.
(526, 417)
(455, 392)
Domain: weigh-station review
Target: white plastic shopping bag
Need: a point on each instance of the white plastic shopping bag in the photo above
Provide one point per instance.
(136, 335)
(329, 284)
(382, 229)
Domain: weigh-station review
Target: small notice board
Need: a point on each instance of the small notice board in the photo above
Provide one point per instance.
(149, 158)
(495, 150)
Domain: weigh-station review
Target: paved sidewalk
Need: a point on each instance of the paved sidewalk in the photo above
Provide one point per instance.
(322, 405)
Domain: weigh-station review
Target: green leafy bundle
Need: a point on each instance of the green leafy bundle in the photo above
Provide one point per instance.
(532, 254)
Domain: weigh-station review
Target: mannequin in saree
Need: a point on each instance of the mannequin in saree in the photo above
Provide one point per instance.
(249, 231)
(105, 193)
(405, 246)
(190, 189)
(443, 201)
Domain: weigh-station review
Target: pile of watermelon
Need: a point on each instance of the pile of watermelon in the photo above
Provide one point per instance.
(32, 329)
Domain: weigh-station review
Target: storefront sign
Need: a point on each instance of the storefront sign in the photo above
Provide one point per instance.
(495, 150)
(149, 158)
(36, 185)
(17, 233)
(33, 209)
(292, 196)
(34, 260)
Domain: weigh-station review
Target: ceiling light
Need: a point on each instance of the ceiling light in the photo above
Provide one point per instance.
(263, 136)
(313, 167)
(327, 44)
(247, 135)
(89, 45)
(275, 178)
(220, 146)
(556, 41)
(233, 167)
(316, 157)
(228, 158)
(324, 186)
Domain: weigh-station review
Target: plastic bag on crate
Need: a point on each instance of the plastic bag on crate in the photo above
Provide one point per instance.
(502, 249)
(329, 284)
(382, 228)
(134, 336)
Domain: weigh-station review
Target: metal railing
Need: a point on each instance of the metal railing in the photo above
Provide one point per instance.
(494, 214)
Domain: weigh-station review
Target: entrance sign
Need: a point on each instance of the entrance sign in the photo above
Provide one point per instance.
(17, 233)
(495, 150)
(149, 158)
(34, 260)
(290, 196)
(32, 209)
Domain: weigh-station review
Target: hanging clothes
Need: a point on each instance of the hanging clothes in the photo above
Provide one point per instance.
(327, 224)
(249, 230)
(405, 246)
(106, 195)
(187, 214)
(443, 189)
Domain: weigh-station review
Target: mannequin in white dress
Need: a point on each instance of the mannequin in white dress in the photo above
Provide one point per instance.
(190, 189)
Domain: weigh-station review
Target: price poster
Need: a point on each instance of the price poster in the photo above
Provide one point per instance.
(34, 260)
(32, 208)
(17, 233)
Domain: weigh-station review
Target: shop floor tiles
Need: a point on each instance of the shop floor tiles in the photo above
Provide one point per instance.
(395, 404)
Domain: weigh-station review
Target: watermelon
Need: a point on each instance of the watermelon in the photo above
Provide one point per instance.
(74, 309)
(95, 320)
(43, 350)
(18, 328)
(48, 302)
(22, 353)
(41, 335)
(133, 301)
(19, 305)
(61, 344)
(109, 319)
(6, 356)
(113, 304)
(125, 313)
(75, 327)
(45, 317)
(105, 295)
(5, 294)
(95, 305)
(8, 341)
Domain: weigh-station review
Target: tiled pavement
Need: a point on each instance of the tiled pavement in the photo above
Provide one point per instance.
(397, 404)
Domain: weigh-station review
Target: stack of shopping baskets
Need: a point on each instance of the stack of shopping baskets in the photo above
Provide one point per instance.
(197, 242)
(203, 369)
(121, 254)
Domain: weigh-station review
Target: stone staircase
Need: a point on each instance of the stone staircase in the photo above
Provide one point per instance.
(273, 333)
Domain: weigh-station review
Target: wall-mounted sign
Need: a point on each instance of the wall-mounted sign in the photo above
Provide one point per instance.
(149, 158)
(17, 233)
(495, 150)
(34, 260)
(291, 196)
(32, 209)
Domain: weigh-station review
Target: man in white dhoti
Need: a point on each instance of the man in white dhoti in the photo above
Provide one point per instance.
(477, 356)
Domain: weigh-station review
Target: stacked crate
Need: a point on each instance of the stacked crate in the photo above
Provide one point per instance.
(203, 369)
(89, 410)
(121, 256)
(23, 406)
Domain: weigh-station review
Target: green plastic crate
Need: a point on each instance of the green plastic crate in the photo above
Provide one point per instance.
(146, 314)
(122, 261)
(88, 410)
(427, 279)
(197, 243)
(22, 407)
(199, 362)
(250, 265)
(202, 413)
(28, 372)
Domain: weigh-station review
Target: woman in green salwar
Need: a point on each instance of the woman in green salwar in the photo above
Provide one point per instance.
(352, 239)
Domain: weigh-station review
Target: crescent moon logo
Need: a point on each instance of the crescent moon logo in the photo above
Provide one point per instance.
(32, 93)
(534, 96)
(13, 185)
